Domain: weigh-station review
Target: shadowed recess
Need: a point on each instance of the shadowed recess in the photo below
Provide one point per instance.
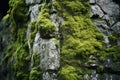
(4, 6)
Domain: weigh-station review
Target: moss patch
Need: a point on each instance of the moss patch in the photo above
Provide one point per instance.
(80, 38)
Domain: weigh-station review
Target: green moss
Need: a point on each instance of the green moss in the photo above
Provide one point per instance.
(69, 73)
(44, 25)
(57, 44)
(18, 16)
(35, 74)
(113, 51)
(21, 63)
(36, 59)
(6, 17)
(17, 54)
(100, 68)
(113, 39)
(80, 37)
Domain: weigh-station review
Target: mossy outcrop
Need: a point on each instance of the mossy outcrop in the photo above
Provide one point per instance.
(58, 40)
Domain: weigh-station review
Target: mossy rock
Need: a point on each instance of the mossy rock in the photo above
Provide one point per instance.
(46, 27)
(35, 74)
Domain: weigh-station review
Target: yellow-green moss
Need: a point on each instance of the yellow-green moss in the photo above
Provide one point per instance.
(35, 74)
(44, 24)
(80, 37)
(69, 73)
(17, 54)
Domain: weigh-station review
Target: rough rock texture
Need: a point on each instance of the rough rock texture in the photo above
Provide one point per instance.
(105, 14)
(33, 1)
(46, 48)
(34, 12)
(49, 54)
(26, 54)
(96, 11)
(5, 40)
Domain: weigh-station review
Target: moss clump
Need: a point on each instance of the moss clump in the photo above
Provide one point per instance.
(44, 25)
(17, 55)
(18, 16)
(68, 73)
(35, 74)
(114, 50)
(36, 59)
(80, 37)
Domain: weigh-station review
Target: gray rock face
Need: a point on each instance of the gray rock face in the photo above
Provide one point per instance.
(92, 1)
(50, 55)
(106, 14)
(47, 49)
(96, 11)
(34, 12)
(116, 26)
(49, 76)
(102, 26)
(33, 1)
(109, 8)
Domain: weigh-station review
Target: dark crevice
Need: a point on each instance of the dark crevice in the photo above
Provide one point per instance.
(117, 1)
(95, 16)
(4, 6)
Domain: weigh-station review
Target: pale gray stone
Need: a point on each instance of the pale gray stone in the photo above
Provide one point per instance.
(34, 12)
(110, 9)
(50, 55)
(102, 26)
(116, 27)
(96, 11)
(32, 1)
(92, 1)
(49, 76)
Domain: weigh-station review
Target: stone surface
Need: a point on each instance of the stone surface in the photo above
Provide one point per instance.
(50, 55)
(92, 1)
(109, 8)
(33, 1)
(96, 11)
(34, 12)
(116, 26)
(102, 26)
(46, 48)
(49, 76)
